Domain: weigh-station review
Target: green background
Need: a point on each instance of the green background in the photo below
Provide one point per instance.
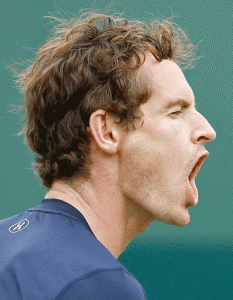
(191, 262)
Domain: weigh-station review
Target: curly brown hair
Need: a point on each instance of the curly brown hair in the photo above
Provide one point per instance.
(90, 63)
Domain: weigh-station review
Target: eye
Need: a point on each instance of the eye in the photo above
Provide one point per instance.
(176, 112)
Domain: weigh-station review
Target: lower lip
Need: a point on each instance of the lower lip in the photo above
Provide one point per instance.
(192, 193)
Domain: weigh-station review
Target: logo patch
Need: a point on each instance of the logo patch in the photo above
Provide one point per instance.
(19, 226)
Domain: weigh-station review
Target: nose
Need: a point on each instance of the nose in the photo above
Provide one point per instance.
(203, 132)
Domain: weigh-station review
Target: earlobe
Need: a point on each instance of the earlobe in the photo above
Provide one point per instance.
(104, 131)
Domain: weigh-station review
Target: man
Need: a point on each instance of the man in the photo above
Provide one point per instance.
(119, 143)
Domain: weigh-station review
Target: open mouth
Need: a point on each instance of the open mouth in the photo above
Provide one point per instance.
(197, 167)
(194, 173)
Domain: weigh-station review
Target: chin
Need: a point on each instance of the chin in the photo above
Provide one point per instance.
(182, 224)
(182, 221)
(179, 220)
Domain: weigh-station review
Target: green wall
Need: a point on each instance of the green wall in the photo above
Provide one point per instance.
(209, 25)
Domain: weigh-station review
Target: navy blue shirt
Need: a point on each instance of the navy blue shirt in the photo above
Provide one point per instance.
(50, 252)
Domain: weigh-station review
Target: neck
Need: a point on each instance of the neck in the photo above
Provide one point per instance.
(114, 220)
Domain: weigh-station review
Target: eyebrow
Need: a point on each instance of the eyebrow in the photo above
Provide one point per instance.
(179, 102)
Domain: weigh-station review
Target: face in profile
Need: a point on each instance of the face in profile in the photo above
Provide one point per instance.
(160, 160)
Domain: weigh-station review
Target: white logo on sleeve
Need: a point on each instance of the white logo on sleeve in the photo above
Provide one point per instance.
(19, 226)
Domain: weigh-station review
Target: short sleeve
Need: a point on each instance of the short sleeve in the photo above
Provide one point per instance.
(104, 285)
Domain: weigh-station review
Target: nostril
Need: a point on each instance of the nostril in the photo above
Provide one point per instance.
(203, 139)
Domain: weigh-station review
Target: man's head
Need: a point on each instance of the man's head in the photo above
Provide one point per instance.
(89, 64)
(106, 98)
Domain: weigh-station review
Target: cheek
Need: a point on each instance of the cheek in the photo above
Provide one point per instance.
(154, 158)
(140, 168)
(173, 140)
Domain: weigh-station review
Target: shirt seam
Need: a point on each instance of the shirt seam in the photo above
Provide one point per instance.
(56, 213)
(88, 275)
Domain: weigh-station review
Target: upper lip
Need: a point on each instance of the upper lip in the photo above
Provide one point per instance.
(198, 165)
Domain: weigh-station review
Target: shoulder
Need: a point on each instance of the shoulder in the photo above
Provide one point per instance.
(55, 251)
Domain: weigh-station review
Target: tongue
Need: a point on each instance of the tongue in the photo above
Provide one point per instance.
(194, 188)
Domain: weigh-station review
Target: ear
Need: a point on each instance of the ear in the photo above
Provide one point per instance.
(105, 131)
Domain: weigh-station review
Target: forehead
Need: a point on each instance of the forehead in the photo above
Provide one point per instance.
(166, 81)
